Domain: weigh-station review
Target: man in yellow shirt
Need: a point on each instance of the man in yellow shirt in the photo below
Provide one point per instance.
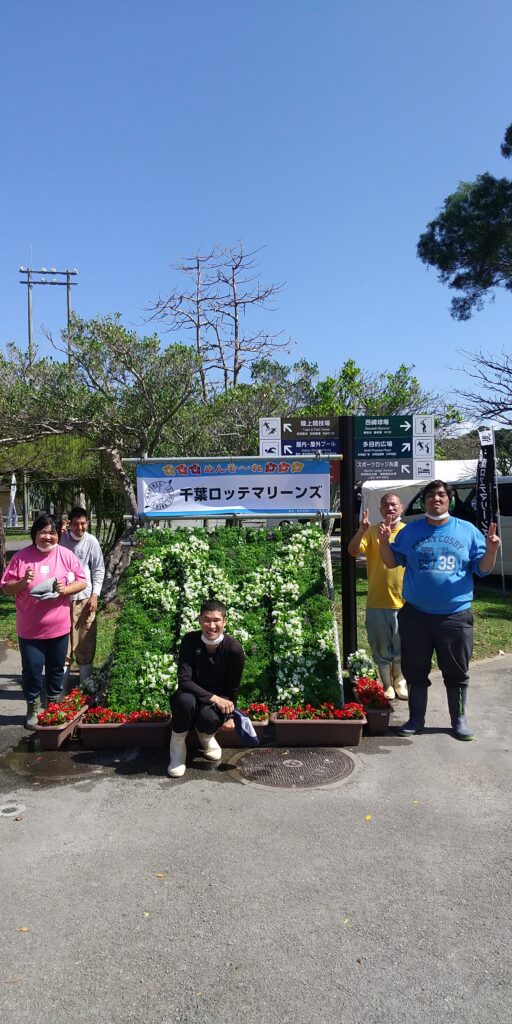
(384, 596)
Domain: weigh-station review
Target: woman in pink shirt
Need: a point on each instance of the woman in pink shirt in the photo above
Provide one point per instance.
(42, 578)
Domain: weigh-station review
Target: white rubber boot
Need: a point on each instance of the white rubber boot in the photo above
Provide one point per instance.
(387, 681)
(66, 683)
(178, 753)
(399, 682)
(209, 746)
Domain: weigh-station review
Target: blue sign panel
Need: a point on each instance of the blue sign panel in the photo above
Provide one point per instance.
(311, 446)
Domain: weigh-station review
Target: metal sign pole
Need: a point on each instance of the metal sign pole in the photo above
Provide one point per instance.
(348, 565)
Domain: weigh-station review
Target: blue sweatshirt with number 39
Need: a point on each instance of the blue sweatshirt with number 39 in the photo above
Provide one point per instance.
(439, 564)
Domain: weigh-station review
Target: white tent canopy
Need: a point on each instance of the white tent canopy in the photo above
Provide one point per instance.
(449, 470)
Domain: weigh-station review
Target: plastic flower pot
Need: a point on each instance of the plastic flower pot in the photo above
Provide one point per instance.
(51, 737)
(317, 732)
(98, 735)
(377, 720)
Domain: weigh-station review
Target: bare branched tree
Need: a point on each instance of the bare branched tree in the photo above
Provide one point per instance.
(225, 290)
(490, 396)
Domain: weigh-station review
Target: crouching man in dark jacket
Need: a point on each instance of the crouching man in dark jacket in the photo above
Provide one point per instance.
(210, 666)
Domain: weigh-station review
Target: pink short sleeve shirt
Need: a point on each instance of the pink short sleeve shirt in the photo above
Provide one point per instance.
(36, 619)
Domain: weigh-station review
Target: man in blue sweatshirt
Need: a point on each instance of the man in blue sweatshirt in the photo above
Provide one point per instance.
(82, 637)
(440, 554)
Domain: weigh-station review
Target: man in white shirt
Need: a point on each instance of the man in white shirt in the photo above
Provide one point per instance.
(82, 637)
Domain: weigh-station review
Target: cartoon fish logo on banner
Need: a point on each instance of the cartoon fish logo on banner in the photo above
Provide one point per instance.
(159, 496)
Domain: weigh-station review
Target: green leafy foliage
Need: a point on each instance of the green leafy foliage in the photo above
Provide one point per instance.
(470, 242)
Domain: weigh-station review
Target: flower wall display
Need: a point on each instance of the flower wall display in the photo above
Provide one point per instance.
(274, 587)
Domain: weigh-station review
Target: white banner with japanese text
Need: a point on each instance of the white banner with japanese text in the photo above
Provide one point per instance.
(227, 486)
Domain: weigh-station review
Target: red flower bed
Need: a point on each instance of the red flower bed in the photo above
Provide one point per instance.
(256, 712)
(105, 716)
(371, 693)
(325, 711)
(58, 713)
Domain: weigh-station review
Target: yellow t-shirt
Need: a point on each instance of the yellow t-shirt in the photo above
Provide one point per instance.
(384, 585)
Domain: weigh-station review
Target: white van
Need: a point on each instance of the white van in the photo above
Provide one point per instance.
(465, 508)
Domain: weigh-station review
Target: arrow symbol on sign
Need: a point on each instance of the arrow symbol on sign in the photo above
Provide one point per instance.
(406, 469)
(406, 446)
(271, 451)
(287, 449)
(405, 426)
(288, 427)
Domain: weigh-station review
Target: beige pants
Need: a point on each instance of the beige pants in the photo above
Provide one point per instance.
(82, 636)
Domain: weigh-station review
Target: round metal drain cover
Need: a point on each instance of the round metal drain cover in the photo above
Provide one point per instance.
(299, 767)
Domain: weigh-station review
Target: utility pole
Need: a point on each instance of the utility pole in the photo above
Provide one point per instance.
(33, 277)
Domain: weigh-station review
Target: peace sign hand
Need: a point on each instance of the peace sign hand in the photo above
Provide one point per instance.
(365, 522)
(493, 541)
(384, 532)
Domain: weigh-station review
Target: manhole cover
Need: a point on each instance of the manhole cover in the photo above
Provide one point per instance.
(11, 809)
(299, 767)
(60, 765)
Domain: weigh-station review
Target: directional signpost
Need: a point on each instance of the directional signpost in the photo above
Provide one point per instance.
(394, 447)
(299, 435)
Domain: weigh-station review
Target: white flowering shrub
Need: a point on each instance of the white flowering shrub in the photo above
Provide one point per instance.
(274, 588)
(359, 663)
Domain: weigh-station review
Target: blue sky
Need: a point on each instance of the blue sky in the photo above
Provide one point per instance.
(329, 131)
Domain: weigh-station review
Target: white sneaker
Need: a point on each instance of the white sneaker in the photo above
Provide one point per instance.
(178, 752)
(209, 746)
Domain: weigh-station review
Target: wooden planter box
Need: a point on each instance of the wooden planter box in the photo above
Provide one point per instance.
(377, 720)
(125, 734)
(51, 737)
(228, 737)
(317, 732)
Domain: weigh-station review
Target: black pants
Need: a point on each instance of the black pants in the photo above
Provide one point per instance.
(188, 713)
(450, 636)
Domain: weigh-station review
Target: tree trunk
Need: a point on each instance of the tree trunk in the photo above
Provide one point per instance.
(113, 455)
(117, 561)
(119, 558)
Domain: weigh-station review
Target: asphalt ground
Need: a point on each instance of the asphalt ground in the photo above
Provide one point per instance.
(127, 897)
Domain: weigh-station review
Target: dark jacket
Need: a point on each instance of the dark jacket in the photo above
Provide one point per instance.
(203, 673)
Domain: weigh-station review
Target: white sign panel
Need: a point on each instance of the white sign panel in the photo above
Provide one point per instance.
(270, 448)
(486, 435)
(270, 428)
(225, 486)
(424, 469)
(423, 446)
(423, 425)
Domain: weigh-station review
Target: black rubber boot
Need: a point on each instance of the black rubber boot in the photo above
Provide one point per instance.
(33, 709)
(418, 697)
(457, 704)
